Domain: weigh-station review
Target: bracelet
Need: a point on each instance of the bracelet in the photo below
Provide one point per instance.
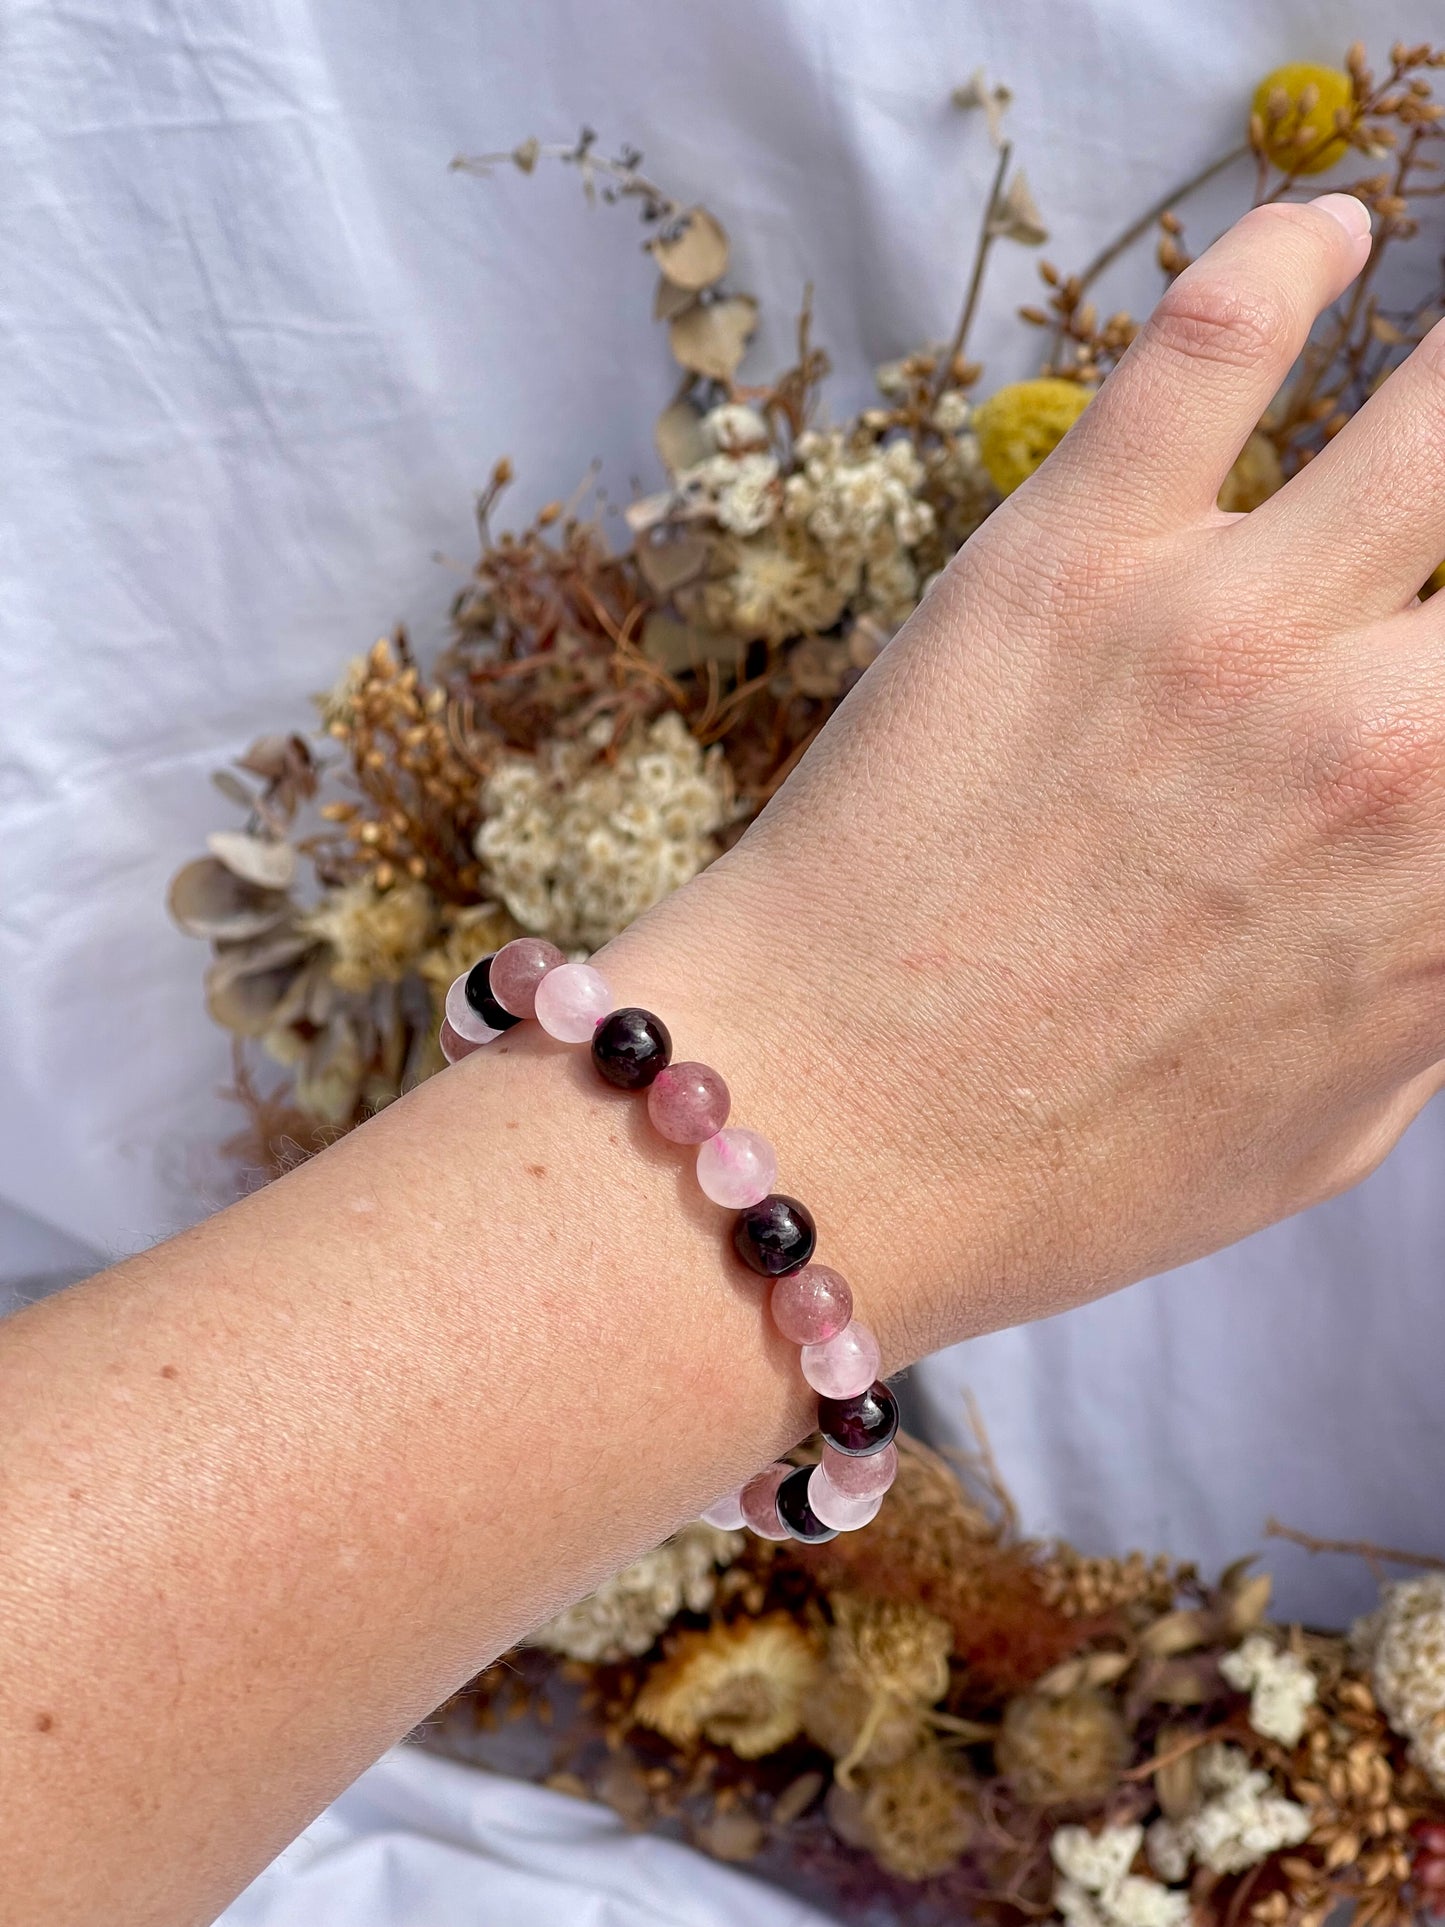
(773, 1234)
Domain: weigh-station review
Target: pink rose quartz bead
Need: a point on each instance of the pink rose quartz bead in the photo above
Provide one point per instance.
(759, 1502)
(844, 1366)
(688, 1103)
(737, 1168)
(518, 968)
(465, 1022)
(839, 1509)
(455, 1048)
(812, 1305)
(571, 1002)
(727, 1514)
(865, 1478)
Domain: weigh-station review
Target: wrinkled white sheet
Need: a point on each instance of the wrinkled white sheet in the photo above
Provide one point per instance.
(259, 349)
(420, 1842)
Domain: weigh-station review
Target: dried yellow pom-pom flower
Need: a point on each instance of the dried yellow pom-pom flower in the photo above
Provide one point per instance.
(1019, 425)
(740, 1686)
(1297, 105)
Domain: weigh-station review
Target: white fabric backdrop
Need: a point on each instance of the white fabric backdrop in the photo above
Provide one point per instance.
(260, 348)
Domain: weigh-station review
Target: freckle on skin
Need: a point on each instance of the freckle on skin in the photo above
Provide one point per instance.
(44, 1723)
(511, 1124)
(535, 1170)
(169, 1371)
(75, 1493)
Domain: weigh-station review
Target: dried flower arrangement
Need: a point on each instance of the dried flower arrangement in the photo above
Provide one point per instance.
(942, 1717)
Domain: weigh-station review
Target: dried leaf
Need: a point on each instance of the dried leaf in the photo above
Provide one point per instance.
(1248, 1602)
(679, 437)
(233, 789)
(670, 300)
(1062, 1680)
(1176, 1632)
(525, 156)
(711, 339)
(1016, 216)
(1176, 1783)
(692, 255)
(796, 1798)
(1102, 1669)
(255, 859)
(675, 645)
(667, 565)
(208, 900)
(976, 92)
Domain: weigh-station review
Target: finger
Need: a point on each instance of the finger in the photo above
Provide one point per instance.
(1165, 429)
(1365, 521)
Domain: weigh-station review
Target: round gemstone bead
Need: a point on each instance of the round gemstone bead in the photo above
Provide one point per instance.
(812, 1305)
(759, 1503)
(865, 1478)
(727, 1514)
(843, 1366)
(454, 1048)
(468, 1023)
(518, 968)
(688, 1103)
(839, 1509)
(630, 1047)
(479, 996)
(796, 1511)
(737, 1167)
(571, 1002)
(775, 1236)
(858, 1426)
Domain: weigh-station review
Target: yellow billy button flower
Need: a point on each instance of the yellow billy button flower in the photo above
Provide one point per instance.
(1296, 107)
(1019, 425)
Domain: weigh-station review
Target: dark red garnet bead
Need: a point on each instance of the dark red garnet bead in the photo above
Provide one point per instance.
(861, 1425)
(479, 996)
(630, 1047)
(795, 1512)
(775, 1236)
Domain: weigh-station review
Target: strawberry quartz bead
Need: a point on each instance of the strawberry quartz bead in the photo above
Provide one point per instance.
(759, 1503)
(571, 1002)
(840, 1510)
(843, 1366)
(518, 968)
(727, 1514)
(775, 1236)
(737, 1168)
(812, 1305)
(855, 1478)
(688, 1103)
(454, 1048)
(859, 1426)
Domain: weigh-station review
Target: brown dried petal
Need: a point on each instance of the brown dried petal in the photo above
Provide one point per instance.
(675, 646)
(666, 565)
(711, 340)
(694, 255)
(209, 900)
(670, 300)
(679, 437)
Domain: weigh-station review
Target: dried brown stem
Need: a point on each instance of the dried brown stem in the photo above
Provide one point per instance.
(987, 235)
(1353, 1548)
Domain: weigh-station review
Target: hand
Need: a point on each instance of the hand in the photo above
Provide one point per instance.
(1103, 924)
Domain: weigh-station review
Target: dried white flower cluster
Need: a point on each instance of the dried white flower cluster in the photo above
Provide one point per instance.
(1281, 1687)
(1404, 1640)
(626, 1614)
(1096, 1889)
(576, 848)
(1243, 1819)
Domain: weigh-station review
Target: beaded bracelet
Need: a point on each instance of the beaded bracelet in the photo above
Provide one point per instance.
(812, 1305)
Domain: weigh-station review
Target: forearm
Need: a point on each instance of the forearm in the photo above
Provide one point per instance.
(276, 1488)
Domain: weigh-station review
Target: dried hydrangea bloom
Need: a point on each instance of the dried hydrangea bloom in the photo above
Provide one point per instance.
(918, 1817)
(375, 935)
(625, 1616)
(1058, 1748)
(771, 588)
(1405, 1642)
(1243, 1819)
(1280, 1685)
(741, 1686)
(741, 491)
(576, 848)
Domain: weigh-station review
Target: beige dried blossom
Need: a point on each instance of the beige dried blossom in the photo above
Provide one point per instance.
(849, 496)
(577, 847)
(741, 492)
(1280, 1685)
(625, 1616)
(918, 1816)
(741, 1686)
(1083, 1586)
(771, 588)
(1243, 1819)
(1096, 1889)
(1404, 1641)
(887, 1664)
(1057, 1749)
(375, 935)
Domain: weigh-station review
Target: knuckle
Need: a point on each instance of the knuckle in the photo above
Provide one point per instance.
(1220, 322)
(1376, 770)
(1213, 671)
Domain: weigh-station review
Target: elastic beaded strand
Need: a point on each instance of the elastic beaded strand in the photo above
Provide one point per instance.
(773, 1234)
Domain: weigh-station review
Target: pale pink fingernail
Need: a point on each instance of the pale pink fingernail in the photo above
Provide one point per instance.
(1349, 210)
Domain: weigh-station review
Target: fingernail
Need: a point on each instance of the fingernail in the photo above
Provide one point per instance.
(1349, 210)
